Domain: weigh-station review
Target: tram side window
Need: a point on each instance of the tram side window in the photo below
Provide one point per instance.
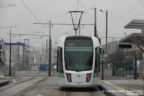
(59, 60)
(97, 60)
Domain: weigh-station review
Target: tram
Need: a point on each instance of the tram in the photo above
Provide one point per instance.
(78, 61)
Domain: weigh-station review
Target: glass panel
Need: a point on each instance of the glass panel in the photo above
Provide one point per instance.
(59, 60)
(97, 60)
(78, 54)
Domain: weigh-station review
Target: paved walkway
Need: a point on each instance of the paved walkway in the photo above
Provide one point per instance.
(17, 89)
(124, 87)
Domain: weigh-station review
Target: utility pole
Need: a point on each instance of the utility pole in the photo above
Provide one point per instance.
(18, 55)
(50, 44)
(95, 26)
(10, 56)
(49, 48)
(107, 38)
(46, 54)
(23, 56)
(9, 27)
(26, 53)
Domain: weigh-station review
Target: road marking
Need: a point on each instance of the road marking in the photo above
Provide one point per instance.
(127, 92)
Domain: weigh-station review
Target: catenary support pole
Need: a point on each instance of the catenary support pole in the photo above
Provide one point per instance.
(95, 26)
(49, 48)
(10, 56)
(107, 39)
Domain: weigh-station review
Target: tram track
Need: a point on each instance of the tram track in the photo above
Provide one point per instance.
(11, 84)
(48, 87)
(21, 88)
(30, 87)
(90, 91)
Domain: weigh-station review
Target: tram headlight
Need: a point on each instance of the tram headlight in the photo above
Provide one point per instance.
(88, 77)
(69, 78)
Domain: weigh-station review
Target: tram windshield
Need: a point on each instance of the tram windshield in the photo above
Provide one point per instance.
(78, 54)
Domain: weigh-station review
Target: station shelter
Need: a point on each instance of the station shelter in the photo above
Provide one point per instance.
(136, 39)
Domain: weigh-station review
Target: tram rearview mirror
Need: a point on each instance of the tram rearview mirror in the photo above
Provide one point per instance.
(125, 45)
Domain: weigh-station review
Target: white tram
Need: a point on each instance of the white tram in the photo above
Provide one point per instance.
(78, 61)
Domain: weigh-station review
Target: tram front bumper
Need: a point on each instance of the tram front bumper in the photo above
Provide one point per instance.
(80, 84)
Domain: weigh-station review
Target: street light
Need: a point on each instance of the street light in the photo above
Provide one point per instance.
(106, 13)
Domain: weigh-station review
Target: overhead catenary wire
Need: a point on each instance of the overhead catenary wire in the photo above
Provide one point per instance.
(83, 5)
(39, 30)
(29, 35)
(77, 4)
(27, 7)
(130, 10)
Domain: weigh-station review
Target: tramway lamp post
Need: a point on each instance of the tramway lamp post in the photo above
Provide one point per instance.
(106, 55)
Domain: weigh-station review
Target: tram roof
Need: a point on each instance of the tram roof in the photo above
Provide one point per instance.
(78, 37)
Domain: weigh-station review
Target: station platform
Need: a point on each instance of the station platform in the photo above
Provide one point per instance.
(124, 87)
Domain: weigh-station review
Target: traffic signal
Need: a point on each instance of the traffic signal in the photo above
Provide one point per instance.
(101, 51)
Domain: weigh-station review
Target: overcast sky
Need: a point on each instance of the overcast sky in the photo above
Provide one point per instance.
(120, 12)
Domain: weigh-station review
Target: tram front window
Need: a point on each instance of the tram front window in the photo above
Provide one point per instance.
(78, 54)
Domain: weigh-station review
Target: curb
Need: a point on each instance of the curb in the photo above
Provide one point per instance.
(105, 90)
(108, 90)
(4, 82)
